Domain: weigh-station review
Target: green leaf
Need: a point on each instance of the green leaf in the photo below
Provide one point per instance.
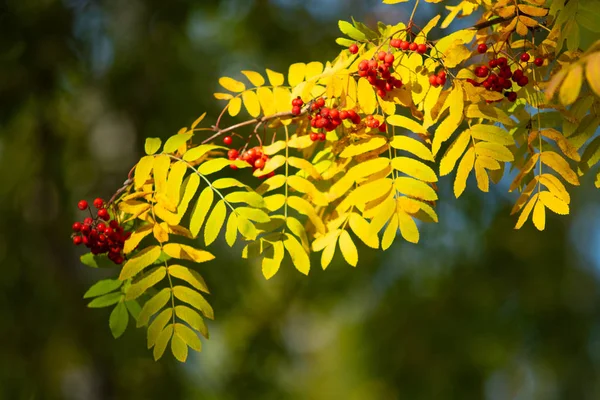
(179, 348)
(152, 145)
(162, 341)
(194, 298)
(138, 288)
(106, 300)
(348, 29)
(152, 306)
(141, 260)
(193, 318)
(188, 336)
(215, 222)
(345, 42)
(99, 261)
(103, 287)
(176, 141)
(134, 308)
(158, 325)
(118, 320)
(189, 275)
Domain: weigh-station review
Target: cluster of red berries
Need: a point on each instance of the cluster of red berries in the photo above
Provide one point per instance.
(254, 156)
(525, 57)
(297, 104)
(99, 236)
(411, 46)
(371, 122)
(438, 79)
(379, 73)
(327, 119)
(500, 81)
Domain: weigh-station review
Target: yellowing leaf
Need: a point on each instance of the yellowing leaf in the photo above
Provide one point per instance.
(161, 168)
(390, 233)
(412, 146)
(231, 230)
(223, 96)
(152, 306)
(275, 78)
(272, 258)
(414, 168)
(462, 173)
(176, 141)
(251, 102)
(235, 105)
(140, 287)
(313, 69)
(174, 182)
(251, 198)
(179, 348)
(231, 84)
(524, 171)
(539, 216)
(197, 121)
(136, 237)
(563, 144)
(140, 261)
(414, 188)
(328, 253)
(492, 133)
(296, 73)
(189, 275)
(152, 145)
(212, 166)
(283, 99)
(454, 152)
(304, 165)
(254, 77)
(555, 186)
(305, 186)
(299, 257)
(533, 11)
(571, 86)
(305, 208)
(348, 248)
(201, 210)
(560, 165)
(214, 223)
(185, 252)
(366, 193)
(554, 203)
(162, 341)
(158, 325)
(142, 171)
(197, 152)
(267, 100)
(406, 123)
(366, 96)
(447, 127)
(526, 211)
(363, 146)
(195, 299)
(493, 150)
(592, 72)
(408, 227)
(192, 318)
(361, 229)
(483, 182)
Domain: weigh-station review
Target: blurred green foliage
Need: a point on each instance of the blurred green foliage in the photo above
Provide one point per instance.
(477, 310)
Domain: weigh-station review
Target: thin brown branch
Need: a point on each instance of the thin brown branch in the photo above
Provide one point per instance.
(491, 22)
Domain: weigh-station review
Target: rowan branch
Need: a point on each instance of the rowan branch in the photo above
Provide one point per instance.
(491, 22)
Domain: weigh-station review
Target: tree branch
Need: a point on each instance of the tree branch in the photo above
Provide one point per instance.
(491, 22)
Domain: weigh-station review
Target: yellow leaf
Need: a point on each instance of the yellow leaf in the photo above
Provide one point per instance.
(246, 228)
(231, 230)
(447, 127)
(462, 173)
(304, 165)
(408, 227)
(555, 82)
(212, 166)
(454, 152)
(328, 253)
(139, 287)
(223, 96)
(554, 203)
(493, 150)
(197, 152)
(274, 202)
(297, 229)
(275, 78)
(234, 107)
(136, 237)
(366, 193)
(406, 123)
(560, 165)
(412, 146)
(563, 144)
(195, 299)
(161, 168)
(348, 248)
(157, 325)
(189, 275)
(414, 168)
(313, 69)
(299, 257)
(192, 318)
(539, 216)
(366, 96)
(305, 208)
(267, 100)
(142, 171)
(483, 182)
(160, 232)
(363, 146)
(272, 183)
(462, 36)
(360, 227)
(227, 183)
(526, 211)
(569, 90)
(489, 163)
(305, 186)
(283, 99)
(152, 306)
(251, 102)
(152, 145)
(251, 198)
(492, 133)
(390, 233)
(524, 171)
(387, 209)
(532, 11)
(296, 73)
(201, 210)
(254, 77)
(414, 188)
(214, 223)
(162, 341)
(388, 107)
(272, 259)
(174, 182)
(556, 187)
(488, 112)
(592, 72)
(140, 261)
(231, 84)
(185, 252)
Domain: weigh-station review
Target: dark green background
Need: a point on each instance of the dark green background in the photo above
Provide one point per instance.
(475, 311)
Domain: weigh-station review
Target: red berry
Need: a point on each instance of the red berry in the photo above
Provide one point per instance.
(114, 224)
(77, 240)
(77, 227)
(482, 48)
(422, 48)
(512, 96)
(259, 164)
(439, 81)
(98, 202)
(227, 140)
(344, 114)
(538, 61)
(413, 46)
(334, 113)
(389, 58)
(381, 55)
(493, 63)
(442, 74)
(395, 43)
(233, 166)
(363, 65)
(523, 81)
(325, 112)
(404, 45)
(502, 61)
(103, 214)
(314, 137)
(381, 92)
(82, 205)
(88, 221)
(321, 137)
(100, 227)
(432, 80)
(353, 48)
(525, 57)
(372, 64)
(299, 102)
(320, 102)
(296, 110)
(383, 128)
(232, 155)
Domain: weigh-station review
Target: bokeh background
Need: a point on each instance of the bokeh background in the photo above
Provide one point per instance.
(475, 311)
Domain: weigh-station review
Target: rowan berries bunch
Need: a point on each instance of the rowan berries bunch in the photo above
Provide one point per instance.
(438, 79)
(408, 46)
(254, 156)
(379, 73)
(100, 234)
(297, 104)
